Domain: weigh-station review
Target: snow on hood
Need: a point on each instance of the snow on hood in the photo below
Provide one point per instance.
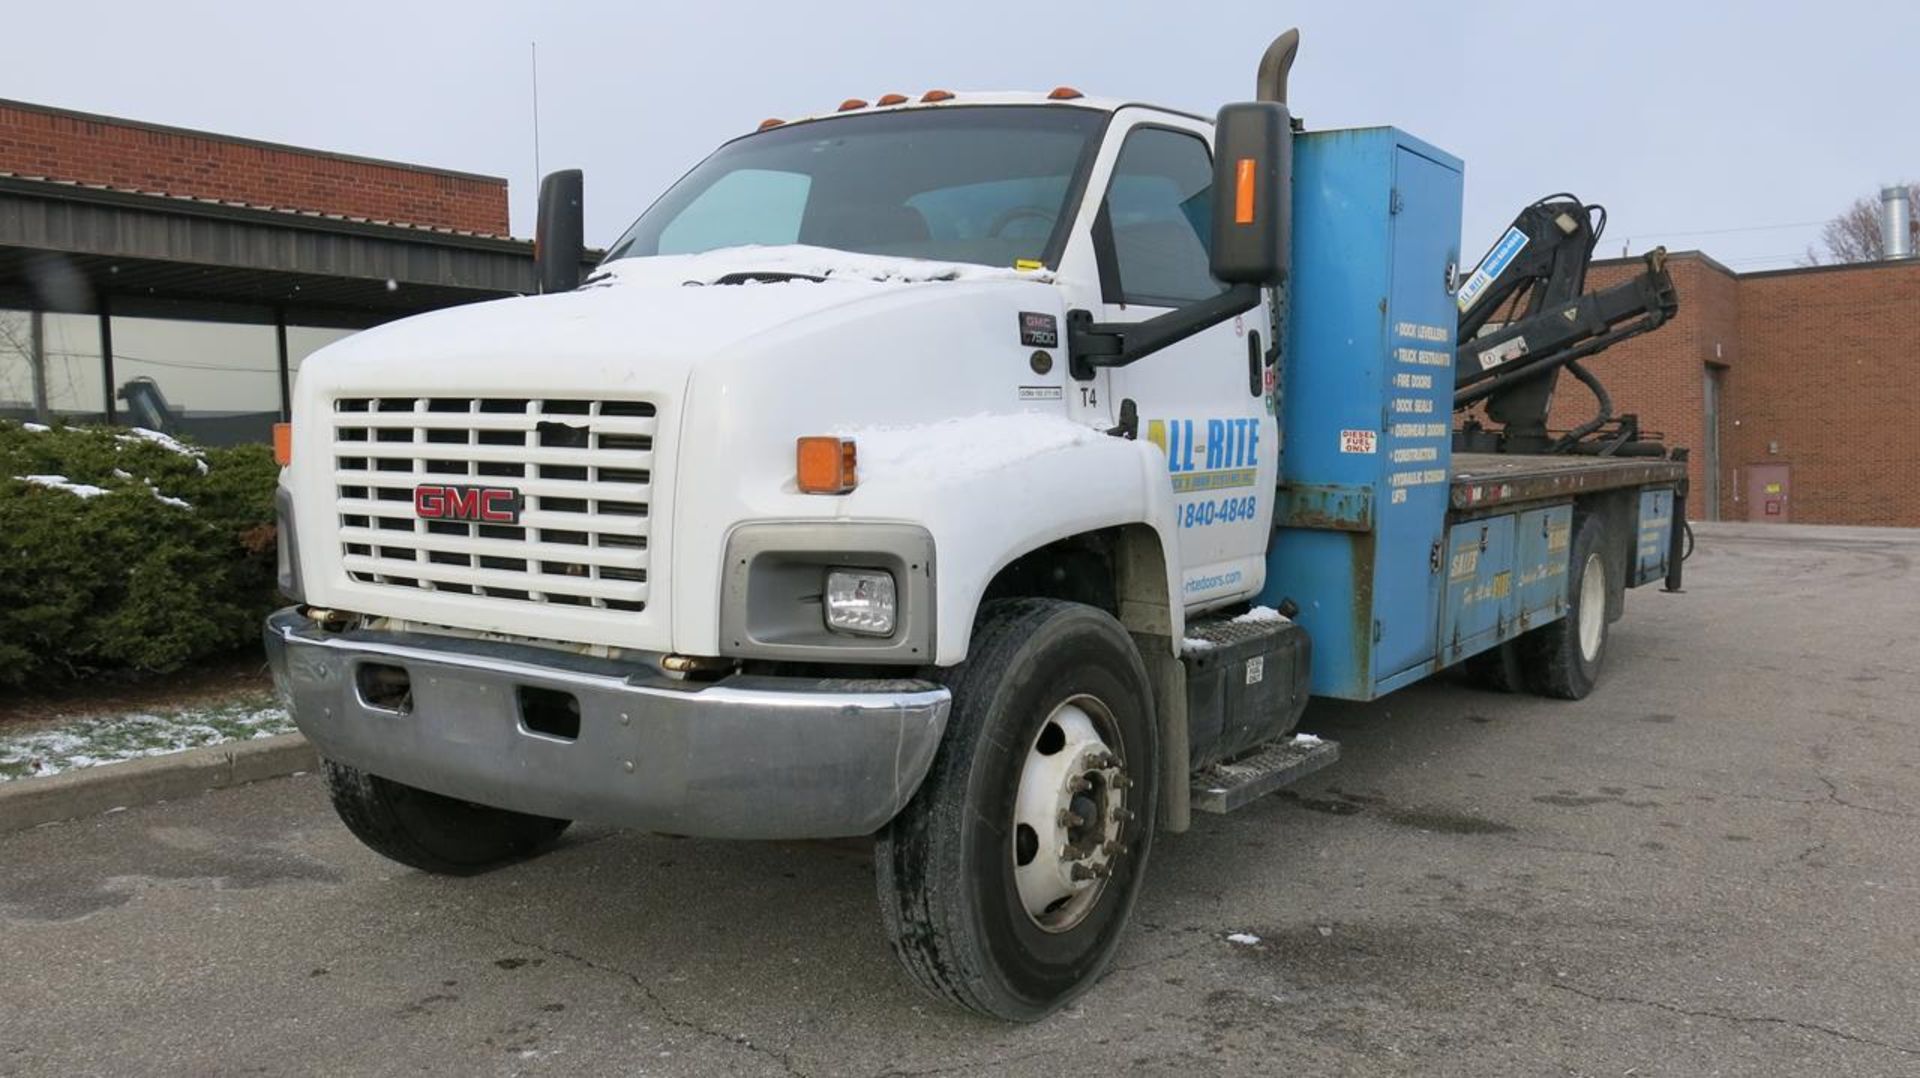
(638, 323)
(801, 261)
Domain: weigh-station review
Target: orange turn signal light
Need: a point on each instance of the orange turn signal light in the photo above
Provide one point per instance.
(283, 444)
(826, 465)
(891, 99)
(1243, 184)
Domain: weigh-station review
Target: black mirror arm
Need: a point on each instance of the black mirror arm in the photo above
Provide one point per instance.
(1091, 344)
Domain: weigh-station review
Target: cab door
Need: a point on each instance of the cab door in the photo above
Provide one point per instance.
(1206, 402)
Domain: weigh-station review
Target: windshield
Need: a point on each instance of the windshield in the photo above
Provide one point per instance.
(986, 184)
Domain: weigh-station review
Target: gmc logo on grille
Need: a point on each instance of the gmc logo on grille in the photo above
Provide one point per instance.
(483, 505)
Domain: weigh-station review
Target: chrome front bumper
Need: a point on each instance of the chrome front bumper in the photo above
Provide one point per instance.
(743, 757)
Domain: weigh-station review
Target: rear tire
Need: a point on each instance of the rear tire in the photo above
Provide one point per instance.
(1563, 659)
(992, 895)
(431, 832)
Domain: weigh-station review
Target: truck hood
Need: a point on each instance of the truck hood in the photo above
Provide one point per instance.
(639, 323)
(731, 354)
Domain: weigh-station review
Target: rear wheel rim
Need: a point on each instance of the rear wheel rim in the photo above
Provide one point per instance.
(1593, 602)
(1069, 814)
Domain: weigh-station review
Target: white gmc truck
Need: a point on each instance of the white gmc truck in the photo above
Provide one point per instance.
(911, 470)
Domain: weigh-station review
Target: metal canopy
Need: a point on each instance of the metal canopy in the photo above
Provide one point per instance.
(63, 245)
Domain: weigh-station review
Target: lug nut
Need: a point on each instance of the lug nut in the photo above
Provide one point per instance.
(1082, 872)
(1080, 786)
(1070, 818)
(1121, 781)
(1121, 815)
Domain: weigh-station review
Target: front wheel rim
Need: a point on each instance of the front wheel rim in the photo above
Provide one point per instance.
(1593, 607)
(1070, 814)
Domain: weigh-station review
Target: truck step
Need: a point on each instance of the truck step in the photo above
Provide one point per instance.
(1223, 787)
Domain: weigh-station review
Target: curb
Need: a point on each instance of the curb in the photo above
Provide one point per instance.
(89, 791)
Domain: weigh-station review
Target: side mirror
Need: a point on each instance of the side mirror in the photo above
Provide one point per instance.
(1252, 193)
(559, 239)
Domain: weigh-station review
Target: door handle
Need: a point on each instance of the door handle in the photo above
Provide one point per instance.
(1255, 383)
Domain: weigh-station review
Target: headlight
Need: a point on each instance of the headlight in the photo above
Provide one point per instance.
(860, 601)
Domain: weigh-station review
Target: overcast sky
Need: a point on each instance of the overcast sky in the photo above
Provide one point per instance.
(1698, 125)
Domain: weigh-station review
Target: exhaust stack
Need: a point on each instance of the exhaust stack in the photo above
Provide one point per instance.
(1896, 223)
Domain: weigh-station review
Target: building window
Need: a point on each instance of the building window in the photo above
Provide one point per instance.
(62, 382)
(303, 341)
(215, 382)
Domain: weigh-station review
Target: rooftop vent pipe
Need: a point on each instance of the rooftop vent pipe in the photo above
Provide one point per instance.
(1896, 223)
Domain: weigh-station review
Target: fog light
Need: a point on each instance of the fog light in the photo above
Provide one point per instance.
(860, 601)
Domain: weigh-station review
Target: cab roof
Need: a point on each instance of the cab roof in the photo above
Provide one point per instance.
(1061, 97)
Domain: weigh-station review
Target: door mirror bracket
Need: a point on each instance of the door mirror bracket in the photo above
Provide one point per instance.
(1092, 345)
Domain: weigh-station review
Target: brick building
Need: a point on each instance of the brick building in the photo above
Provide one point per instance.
(58, 144)
(1793, 389)
(176, 279)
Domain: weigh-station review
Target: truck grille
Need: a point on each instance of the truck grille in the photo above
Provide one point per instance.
(584, 469)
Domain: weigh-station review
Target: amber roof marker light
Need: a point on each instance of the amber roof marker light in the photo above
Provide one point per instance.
(1064, 93)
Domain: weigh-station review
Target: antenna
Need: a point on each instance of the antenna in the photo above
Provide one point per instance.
(533, 52)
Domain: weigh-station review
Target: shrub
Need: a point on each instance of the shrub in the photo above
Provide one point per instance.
(131, 553)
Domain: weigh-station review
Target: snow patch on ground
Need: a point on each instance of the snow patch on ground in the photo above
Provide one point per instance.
(1244, 939)
(1307, 741)
(37, 428)
(76, 743)
(804, 261)
(931, 453)
(1262, 614)
(1194, 645)
(61, 482)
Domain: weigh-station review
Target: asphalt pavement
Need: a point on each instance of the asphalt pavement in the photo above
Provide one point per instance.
(1711, 866)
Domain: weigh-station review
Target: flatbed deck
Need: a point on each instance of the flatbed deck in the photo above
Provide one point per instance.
(1487, 480)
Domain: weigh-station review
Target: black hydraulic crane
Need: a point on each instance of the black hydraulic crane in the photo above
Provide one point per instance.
(1525, 314)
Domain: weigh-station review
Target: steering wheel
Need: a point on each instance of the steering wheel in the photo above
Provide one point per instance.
(1018, 213)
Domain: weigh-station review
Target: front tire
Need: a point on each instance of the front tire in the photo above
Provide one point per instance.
(1006, 882)
(431, 832)
(1563, 659)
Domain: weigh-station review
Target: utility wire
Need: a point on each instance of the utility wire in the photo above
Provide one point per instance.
(179, 364)
(1727, 231)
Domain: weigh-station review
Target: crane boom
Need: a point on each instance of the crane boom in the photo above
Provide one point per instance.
(1525, 314)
